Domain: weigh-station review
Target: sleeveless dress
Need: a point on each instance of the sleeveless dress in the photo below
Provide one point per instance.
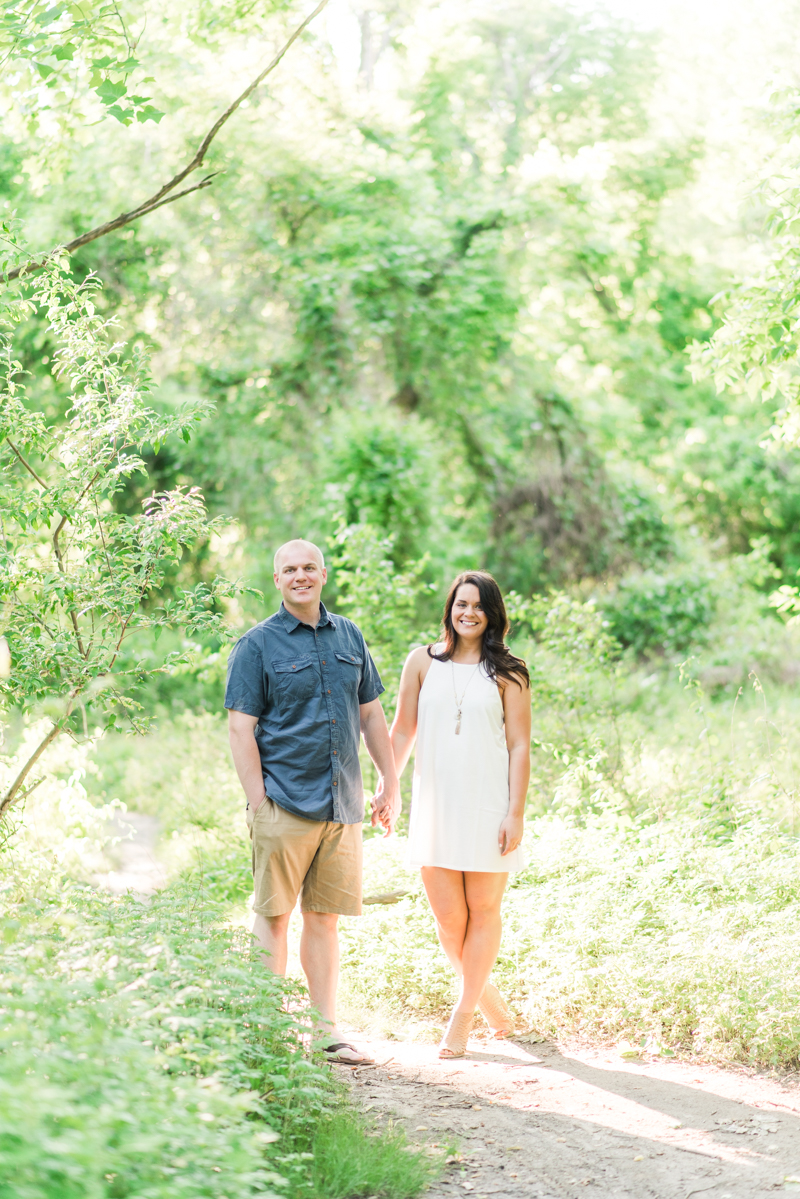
(460, 793)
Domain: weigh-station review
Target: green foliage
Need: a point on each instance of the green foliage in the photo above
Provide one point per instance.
(384, 475)
(73, 48)
(576, 672)
(756, 350)
(149, 1004)
(386, 604)
(77, 578)
(144, 1051)
(645, 532)
(738, 487)
(655, 612)
(607, 935)
(425, 279)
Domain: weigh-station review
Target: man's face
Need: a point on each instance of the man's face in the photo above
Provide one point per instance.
(300, 578)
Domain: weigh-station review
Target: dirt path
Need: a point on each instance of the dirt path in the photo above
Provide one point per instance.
(557, 1122)
(134, 857)
(551, 1122)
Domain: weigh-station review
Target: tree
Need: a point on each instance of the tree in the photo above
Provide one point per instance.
(757, 348)
(78, 579)
(105, 26)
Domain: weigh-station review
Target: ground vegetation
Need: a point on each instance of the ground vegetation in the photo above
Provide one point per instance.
(456, 286)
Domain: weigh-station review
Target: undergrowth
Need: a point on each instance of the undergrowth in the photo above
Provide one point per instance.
(680, 934)
(143, 1053)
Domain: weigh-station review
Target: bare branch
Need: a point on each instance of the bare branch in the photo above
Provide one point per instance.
(12, 794)
(118, 222)
(27, 465)
(155, 201)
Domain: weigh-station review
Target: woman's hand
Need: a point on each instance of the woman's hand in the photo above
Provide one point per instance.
(510, 835)
(386, 808)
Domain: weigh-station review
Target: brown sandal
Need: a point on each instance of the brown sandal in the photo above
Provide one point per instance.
(495, 1012)
(454, 1041)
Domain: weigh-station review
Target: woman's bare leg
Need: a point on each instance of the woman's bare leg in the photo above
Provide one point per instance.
(466, 907)
(446, 895)
(484, 894)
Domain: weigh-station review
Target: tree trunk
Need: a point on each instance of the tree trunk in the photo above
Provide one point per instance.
(12, 794)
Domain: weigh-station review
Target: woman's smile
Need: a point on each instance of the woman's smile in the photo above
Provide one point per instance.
(468, 617)
(468, 622)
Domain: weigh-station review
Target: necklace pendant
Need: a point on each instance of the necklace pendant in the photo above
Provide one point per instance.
(458, 722)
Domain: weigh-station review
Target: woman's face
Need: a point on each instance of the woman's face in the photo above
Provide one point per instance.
(469, 619)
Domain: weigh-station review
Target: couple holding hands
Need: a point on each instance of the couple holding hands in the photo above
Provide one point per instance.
(301, 690)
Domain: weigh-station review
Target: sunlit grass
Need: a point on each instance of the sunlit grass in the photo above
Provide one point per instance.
(683, 932)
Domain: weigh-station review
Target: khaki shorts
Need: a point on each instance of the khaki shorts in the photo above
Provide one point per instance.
(319, 858)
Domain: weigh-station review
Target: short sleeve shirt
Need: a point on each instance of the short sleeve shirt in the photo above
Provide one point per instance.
(306, 686)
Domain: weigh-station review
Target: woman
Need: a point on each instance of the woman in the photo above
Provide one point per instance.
(467, 703)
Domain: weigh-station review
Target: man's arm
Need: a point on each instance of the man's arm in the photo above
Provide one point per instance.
(246, 758)
(379, 747)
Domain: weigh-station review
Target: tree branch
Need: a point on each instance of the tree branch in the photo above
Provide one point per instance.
(27, 465)
(156, 200)
(12, 793)
(118, 222)
(463, 241)
(59, 559)
(604, 298)
(56, 546)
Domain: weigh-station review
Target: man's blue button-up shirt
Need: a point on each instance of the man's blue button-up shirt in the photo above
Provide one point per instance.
(305, 686)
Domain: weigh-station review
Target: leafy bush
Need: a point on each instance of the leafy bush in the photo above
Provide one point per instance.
(143, 1053)
(383, 601)
(645, 533)
(385, 472)
(663, 613)
(79, 578)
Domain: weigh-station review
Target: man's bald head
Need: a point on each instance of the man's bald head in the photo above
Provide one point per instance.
(300, 575)
(298, 547)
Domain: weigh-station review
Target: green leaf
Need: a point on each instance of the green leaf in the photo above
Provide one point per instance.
(110, 92)
(120, 114)
(64, 53)
(149, 113)
(49, 15)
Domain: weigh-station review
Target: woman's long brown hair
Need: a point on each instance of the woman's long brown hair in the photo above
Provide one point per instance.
(496, 658)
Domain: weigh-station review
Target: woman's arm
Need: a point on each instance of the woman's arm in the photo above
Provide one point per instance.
(517, 709)
(404, 726)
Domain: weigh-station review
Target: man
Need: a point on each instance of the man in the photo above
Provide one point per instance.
(301, 688)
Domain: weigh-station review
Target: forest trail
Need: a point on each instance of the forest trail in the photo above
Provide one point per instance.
(134, 857)
(555, 1122)
(559, 1123)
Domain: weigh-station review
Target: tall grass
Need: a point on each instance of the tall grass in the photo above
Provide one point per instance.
(680, 933)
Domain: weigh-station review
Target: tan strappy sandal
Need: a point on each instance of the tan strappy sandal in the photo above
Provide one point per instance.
(454, 1041)
(495, 1012)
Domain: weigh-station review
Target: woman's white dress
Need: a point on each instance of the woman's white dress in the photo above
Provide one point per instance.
(460, 793)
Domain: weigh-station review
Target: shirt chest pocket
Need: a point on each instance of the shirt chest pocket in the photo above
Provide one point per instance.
(296, 679)
(350, 667)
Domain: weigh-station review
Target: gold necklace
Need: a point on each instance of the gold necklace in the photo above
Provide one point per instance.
(459, 702)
